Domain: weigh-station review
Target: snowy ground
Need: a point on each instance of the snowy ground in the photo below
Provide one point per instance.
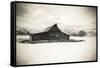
(57, 52)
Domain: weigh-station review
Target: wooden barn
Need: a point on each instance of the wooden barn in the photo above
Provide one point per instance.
(51, 33)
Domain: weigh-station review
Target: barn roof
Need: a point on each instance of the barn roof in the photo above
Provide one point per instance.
(52, 28)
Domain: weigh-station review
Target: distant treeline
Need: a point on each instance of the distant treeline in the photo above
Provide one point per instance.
(84, 33)
(23, 31)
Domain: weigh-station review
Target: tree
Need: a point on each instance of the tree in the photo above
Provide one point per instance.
(22, 31)
(92, 33)
(81, 33)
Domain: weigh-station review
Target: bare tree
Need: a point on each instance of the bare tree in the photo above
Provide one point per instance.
(81, 33)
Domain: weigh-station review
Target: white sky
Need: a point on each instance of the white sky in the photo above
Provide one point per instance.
(37, 17)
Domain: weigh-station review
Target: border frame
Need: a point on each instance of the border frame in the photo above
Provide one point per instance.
(13, 33)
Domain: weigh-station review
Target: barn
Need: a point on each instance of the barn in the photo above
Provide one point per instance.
(52, 33)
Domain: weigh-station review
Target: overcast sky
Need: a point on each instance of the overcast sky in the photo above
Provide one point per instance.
(37, 17)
